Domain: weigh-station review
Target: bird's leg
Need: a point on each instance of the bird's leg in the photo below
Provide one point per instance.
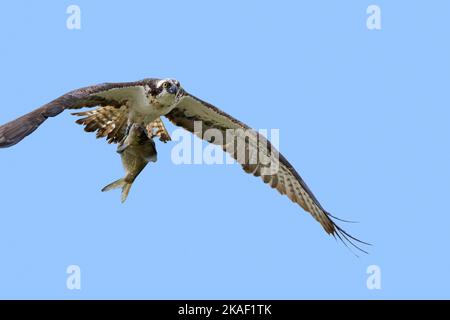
(124, 143)
(122, 146)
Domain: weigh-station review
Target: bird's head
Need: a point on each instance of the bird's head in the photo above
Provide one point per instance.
(168, 91)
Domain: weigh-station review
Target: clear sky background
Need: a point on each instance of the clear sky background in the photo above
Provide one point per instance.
(363, 115)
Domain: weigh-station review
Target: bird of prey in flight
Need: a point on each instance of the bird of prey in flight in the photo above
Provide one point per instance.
(128, 113)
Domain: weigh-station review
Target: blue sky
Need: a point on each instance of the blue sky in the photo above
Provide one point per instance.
(363, 116)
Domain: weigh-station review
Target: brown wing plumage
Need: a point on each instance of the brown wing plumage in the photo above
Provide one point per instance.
(112, 122)
(108, 121)
(157, 128)
(14, 131)
(286, 179)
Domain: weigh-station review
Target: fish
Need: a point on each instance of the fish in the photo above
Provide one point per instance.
(136, 151)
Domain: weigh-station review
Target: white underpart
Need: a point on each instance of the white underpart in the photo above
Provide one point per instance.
(141, 109)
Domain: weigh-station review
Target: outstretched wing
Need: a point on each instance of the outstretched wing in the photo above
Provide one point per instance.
(107, 94)
(260, 157)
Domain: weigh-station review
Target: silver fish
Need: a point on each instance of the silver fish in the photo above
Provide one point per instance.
(136, 151)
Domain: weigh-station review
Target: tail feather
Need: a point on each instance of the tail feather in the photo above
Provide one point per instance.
(121, 183)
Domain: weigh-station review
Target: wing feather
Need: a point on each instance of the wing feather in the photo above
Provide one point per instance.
(108, 121)
(14, 131)
(157, 128)
(286, 179)
(112, 122)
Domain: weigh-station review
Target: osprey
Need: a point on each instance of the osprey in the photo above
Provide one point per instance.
(127, 107)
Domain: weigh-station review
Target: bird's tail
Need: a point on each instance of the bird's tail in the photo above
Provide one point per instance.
(121, 183)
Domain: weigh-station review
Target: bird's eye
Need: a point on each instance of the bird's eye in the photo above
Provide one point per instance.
(165, 85)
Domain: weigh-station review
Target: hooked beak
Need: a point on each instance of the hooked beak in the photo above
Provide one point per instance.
(173, 89)
(180, 94)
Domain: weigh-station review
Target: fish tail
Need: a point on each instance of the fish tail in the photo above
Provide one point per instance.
(121, 183)
(125, 191)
